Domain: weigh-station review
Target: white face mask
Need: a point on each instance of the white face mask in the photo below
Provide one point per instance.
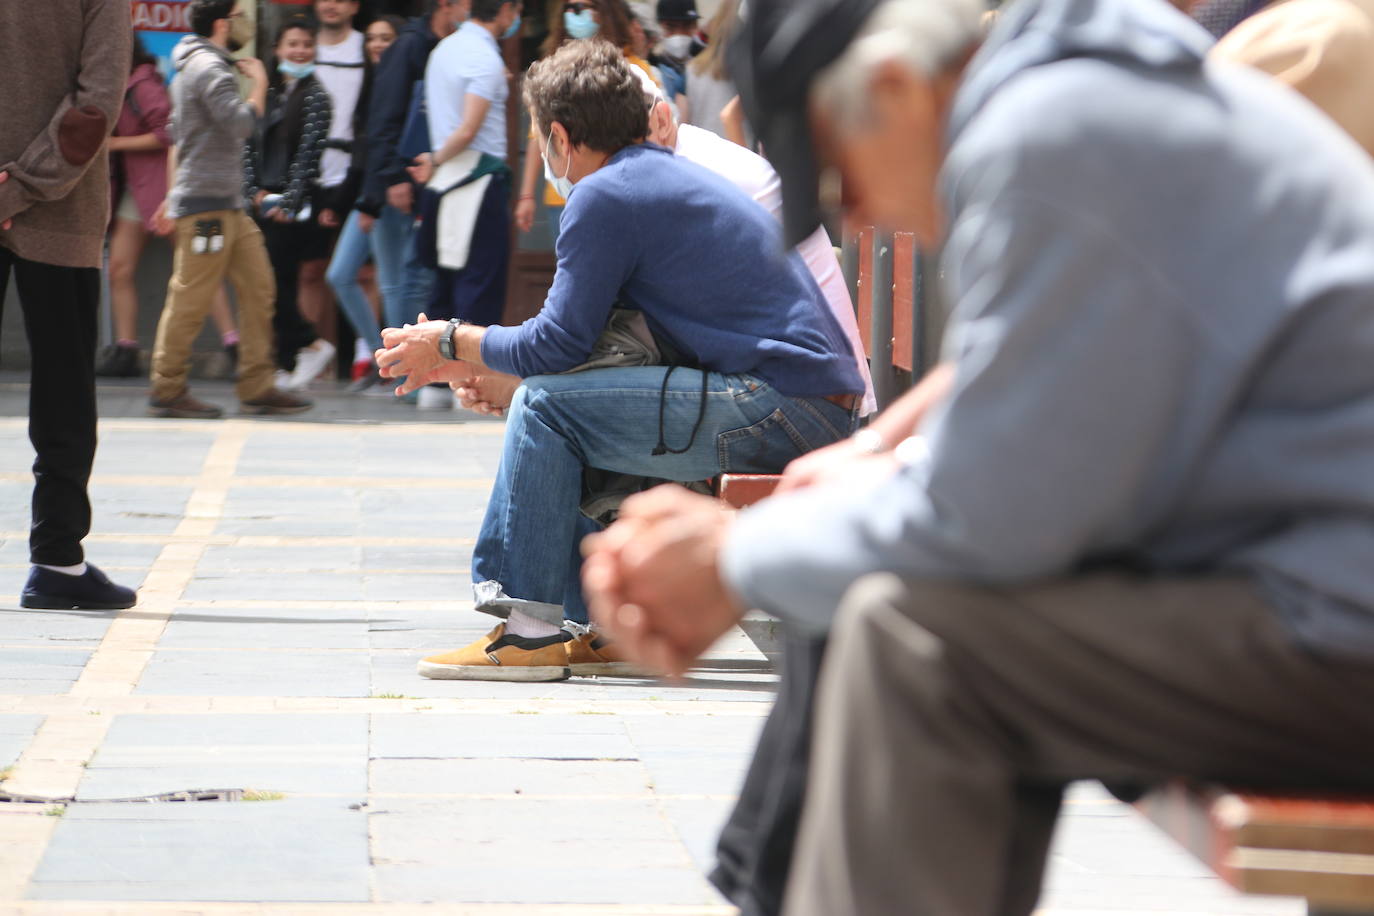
(676, 46)
(562, 185)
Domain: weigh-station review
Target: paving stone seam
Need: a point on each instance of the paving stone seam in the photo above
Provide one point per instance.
(260, 540)
(55, 759)
(113, 908)
(59, 704)
(279, 481)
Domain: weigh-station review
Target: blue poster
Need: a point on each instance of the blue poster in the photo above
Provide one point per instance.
(160, 24)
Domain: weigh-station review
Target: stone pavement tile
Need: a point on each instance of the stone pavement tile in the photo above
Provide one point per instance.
(24, 627)
(552, 736)
(279, 586)
(129, 499)
(286, 630)
(413, 639)
(179, 452)
(698, 822)
(439, 557)
(619, 851)
(240, 673)
(105, 554)
(394, 672)
(219, 559)
(424, 502)
(35, 672)
(291, 850)
(290, 526)
(435, 586)
(1106, 858)
(295, 754)
(15, 733)
(504, 776)
(695, 755)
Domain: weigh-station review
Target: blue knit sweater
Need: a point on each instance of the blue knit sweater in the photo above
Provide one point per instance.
(703, 262)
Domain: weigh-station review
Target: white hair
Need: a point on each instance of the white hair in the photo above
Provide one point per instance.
(926, 36)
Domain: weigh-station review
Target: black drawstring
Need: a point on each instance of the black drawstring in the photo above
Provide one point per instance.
(662, 447)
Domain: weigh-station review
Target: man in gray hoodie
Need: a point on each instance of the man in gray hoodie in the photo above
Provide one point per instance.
(1131, 540)
(214, 238)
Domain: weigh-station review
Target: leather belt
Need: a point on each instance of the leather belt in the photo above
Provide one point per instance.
(847, 401)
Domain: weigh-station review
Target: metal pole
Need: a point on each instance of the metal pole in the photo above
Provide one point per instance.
(880, 340)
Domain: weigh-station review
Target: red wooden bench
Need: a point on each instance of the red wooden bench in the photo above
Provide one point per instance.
(1318, 847)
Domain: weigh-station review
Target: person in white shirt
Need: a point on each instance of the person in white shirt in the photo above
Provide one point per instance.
(340, 68)
(466, 88)
(752, 174)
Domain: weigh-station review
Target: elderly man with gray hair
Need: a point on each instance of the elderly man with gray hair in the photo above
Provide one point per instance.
(1128, 538)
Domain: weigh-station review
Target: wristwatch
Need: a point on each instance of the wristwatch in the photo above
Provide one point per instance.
(446, 341)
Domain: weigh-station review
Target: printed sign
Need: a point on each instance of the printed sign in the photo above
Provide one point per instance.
(160, 24)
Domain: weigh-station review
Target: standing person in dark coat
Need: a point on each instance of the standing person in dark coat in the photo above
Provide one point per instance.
(64, 72)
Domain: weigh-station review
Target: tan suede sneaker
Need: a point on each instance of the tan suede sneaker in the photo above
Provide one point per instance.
(592, 655)
(501, 657)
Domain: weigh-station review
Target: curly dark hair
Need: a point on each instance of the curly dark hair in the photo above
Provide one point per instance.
(589, 88)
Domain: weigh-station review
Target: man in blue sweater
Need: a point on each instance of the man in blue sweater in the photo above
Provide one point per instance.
(1131, 539)
(761, 371)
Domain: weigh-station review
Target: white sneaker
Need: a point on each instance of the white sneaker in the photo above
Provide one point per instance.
(432, 398)
(281, 380)
(310, 362)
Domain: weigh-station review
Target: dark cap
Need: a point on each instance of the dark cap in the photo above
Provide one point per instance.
(677, 11)
(773, 60)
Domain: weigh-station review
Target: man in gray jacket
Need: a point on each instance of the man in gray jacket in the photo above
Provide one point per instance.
(214, 238)
(1131, 540)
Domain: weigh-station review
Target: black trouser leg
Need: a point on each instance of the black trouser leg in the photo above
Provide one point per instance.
(755, 849)
(60, 306)
(286, 245)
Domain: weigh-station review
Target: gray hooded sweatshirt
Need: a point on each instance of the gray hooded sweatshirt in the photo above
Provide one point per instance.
(210, 123)
(1162, 272)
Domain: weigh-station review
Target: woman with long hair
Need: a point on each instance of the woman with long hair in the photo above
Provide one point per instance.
(283, 184)
(355, 247)
(606, 20)
(709, 88)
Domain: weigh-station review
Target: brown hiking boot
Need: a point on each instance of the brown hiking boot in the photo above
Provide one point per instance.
(183, 407)
(275, 401)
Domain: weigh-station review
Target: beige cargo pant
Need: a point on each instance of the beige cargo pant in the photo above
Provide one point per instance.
(198, 268)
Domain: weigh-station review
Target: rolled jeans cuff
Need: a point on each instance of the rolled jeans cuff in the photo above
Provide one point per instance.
(491, 598)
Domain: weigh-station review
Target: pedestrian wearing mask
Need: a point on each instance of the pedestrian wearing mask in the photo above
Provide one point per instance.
(283, 171)
(214, 238)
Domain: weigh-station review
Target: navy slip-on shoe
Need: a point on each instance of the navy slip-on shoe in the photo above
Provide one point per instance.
(90, 591)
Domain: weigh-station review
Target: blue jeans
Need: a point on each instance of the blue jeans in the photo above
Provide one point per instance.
(404, 281)
(351, 252)
(526, 556)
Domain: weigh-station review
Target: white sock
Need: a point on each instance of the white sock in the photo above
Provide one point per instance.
(520, 624)
(77, 570)
(361, 351)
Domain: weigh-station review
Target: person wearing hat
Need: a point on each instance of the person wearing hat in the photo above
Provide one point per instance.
(1127, 538)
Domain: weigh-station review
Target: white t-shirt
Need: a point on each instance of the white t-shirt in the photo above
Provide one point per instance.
(468, 62)
(340, 68)
(753, 175)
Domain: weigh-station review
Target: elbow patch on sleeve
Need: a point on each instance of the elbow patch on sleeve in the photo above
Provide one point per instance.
(81, 133)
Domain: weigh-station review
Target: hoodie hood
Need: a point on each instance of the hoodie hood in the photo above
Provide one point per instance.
(1148, 34)
(195, 44)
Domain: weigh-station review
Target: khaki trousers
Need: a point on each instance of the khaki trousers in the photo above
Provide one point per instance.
(949, 719)
(196, 276)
